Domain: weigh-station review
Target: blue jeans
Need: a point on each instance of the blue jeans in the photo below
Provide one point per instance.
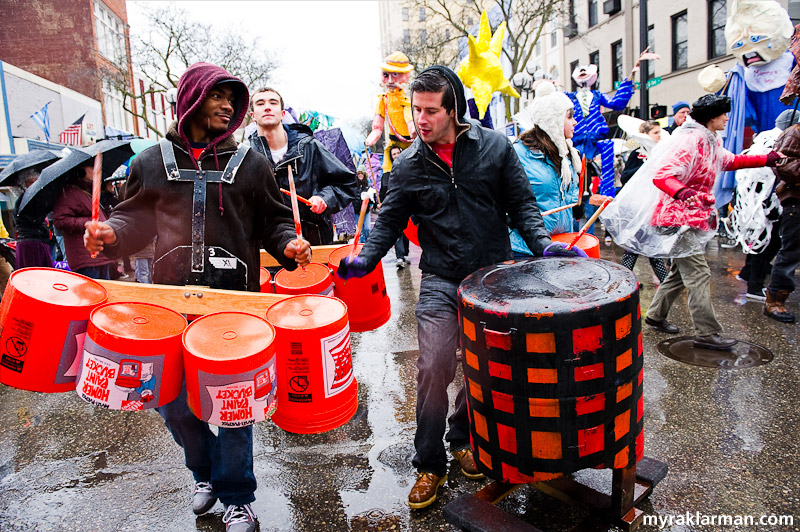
(788, 258)
(143, 269)
(96, 272)
(437, 326)
(225, 460)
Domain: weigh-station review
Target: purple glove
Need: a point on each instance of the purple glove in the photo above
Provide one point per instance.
(773, 158)
(684, 194)
(559, 249)
(350, 268)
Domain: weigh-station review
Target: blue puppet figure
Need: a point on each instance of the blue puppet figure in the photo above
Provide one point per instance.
(758, 34)
(591, 132)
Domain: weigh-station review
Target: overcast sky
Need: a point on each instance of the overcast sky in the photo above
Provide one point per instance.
(329, 50)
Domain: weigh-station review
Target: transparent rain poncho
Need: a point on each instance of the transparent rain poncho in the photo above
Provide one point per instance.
(644, 220)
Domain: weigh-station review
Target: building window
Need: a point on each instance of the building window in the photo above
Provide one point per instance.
(651, 42)
(423, 35)
(447, 33)
(553, 35)
(406, 36)
(592, 13)
(572, 67)
(470, 22)
(616, 62)
(680, 41)
(538, 49)
(594, 59)
(115, 115)
(110, 35)
(405, 14)
(717, 13)
(422, 14)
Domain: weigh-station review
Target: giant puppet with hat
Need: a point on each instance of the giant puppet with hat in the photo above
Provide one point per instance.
(393, 114)
(757, 33)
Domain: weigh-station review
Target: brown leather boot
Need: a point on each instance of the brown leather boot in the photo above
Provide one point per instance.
(774, 307)
(424, 491)
(467, 464)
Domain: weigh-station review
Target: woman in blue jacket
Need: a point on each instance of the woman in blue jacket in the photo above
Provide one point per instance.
(550, 162)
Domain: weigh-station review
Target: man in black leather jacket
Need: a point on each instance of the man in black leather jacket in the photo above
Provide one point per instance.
(319, 176)
(460, 181)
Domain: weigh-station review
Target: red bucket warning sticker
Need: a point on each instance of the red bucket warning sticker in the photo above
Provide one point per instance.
(233, 401)
(337, 362)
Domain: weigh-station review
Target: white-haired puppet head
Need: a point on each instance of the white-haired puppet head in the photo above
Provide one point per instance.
(757, 31)
(585, 75)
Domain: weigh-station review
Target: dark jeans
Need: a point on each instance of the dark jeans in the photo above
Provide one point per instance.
(225, 460)
(757, 267)
(97, 272)
(437, 326)
(789, 255)
(401, 247)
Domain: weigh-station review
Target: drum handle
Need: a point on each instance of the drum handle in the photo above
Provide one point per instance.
(499, 339)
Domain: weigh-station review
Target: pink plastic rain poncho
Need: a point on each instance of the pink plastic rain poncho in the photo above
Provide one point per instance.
(646, 220)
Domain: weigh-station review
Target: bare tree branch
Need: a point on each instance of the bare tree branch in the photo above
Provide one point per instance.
(174, 42)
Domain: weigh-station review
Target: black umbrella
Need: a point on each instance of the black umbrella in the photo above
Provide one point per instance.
(40, 197)
(36, 159)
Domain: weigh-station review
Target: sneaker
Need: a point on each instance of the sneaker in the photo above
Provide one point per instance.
(739, 277)
(239, 518)
(424, 491)
(467, 464)
(203, 499)
(400, 263)
(761, 296)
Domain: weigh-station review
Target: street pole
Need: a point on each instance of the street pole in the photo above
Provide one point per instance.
(644, 103)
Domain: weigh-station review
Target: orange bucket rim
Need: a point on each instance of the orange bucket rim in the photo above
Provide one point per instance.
(310, 328)
(341, 250)
(161, 339)
(101, 301)
(270, 345)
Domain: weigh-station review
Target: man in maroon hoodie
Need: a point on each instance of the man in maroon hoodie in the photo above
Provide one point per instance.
(205, 199)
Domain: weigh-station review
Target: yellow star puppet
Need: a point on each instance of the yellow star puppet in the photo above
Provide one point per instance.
(481, 70)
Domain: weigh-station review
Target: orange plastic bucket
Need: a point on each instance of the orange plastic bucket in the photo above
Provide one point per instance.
(588, 243)
(265, 280)
(315, 279)
(316, 387)
(43, 318)
(230, 368)
(132, 357)
(366, 298)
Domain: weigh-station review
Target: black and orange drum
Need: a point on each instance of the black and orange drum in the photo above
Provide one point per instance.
(553, 367)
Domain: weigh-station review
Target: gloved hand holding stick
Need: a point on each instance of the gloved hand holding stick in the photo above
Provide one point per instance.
(97, 181)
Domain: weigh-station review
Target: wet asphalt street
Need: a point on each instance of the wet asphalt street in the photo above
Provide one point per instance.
(731, 438)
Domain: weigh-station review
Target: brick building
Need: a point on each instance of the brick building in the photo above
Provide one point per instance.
(80, 44)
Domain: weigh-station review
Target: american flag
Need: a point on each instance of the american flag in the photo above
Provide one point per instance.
(73, 134)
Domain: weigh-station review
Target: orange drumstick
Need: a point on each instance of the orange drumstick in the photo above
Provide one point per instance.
(295, 208)
(301, 199)
(361, 216)
(97, 180)
(589, 223)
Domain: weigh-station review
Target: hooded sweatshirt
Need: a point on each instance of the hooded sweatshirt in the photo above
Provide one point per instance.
(461, 210)
(239, 217)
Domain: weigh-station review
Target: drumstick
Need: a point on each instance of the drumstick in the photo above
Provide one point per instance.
(97, 179)
(295, 208)
(589, 223)
(301, 199)
(361, 216)
(582, 180)
(557, 209)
